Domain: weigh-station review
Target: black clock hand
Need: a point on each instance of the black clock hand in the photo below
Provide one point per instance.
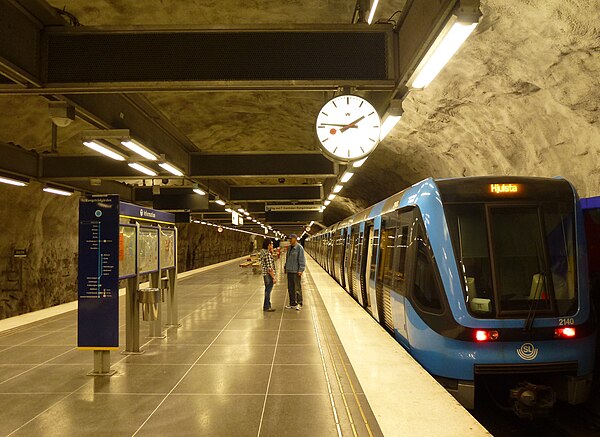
(333, 124)
(353, 124)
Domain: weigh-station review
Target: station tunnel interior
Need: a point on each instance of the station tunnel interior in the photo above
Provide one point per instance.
(521, 97)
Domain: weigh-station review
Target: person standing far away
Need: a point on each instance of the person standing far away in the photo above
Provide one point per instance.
(267, 264)
(295, 263)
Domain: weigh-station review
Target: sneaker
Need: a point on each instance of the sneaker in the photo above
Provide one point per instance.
(290, 306)
(269, 310)
(298, 307)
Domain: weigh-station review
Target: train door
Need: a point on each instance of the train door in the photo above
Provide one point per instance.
(400, 269)
(348, 269)
(385, 274)
(360, 275)
(342, 256)
(371, 266)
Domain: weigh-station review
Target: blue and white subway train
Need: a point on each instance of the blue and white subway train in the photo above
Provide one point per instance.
(483, 280)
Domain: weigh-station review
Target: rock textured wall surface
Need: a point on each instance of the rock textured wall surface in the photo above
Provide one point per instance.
(200, 245)
(45, 225)
(521, 97)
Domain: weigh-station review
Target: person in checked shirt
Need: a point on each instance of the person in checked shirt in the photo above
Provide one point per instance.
(267, 264)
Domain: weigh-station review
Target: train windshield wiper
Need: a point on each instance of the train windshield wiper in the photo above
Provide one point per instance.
(534, 302)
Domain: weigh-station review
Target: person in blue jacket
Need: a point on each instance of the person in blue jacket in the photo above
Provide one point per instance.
(295, 263)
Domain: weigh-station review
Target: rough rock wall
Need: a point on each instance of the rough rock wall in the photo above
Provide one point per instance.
(200, 245)
(46, 226)
(521, 97)
(43, 224)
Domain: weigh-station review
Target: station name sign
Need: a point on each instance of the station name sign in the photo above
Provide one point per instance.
(504, 188)
(148, 214)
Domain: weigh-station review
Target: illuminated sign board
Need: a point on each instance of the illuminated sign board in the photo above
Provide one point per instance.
(504, 188)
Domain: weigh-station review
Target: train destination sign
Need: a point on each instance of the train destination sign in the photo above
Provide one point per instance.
(504, 188)
(98, 278)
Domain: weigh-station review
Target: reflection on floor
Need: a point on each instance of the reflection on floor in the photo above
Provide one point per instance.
(230, 370)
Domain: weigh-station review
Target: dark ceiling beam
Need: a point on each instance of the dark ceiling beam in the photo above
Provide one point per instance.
(21, 47)
(266, 193)
(18, 161)
(85, 59)
(203, 166)
(262, 164)
(23, 59)
(106, 187)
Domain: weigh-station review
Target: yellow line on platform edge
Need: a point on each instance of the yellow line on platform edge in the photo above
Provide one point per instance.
(98, 348)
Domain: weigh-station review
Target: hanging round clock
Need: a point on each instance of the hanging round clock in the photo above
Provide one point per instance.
(348, 128)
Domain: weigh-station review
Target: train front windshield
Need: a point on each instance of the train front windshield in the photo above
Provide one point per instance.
(517, 255)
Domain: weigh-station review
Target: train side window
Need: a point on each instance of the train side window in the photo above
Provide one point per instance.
(426, 289)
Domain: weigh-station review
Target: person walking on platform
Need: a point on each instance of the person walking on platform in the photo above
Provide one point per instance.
(267, 264)
(295, 263)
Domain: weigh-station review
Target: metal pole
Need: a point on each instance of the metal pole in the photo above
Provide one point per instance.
(155, 330)
(102, 364)
(173, 318)
(132, 307)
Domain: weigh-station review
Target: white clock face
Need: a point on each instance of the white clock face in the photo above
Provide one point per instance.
(348, 128)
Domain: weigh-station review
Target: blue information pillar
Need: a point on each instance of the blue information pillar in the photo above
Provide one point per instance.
(98, 280)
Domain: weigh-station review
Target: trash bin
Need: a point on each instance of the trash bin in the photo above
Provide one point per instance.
(150, 298)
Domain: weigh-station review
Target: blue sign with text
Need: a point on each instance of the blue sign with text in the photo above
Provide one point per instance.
(148, 214)
(98, 273)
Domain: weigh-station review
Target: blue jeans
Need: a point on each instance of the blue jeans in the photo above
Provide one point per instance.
(268, 288)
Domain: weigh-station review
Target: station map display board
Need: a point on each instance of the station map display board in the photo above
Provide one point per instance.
(98, 278)
(148, 250)
(127, 251)
(167, 248)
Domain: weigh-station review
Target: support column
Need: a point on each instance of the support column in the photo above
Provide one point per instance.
(102, 364)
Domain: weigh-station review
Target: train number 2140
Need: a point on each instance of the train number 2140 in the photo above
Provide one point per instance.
(566, 321)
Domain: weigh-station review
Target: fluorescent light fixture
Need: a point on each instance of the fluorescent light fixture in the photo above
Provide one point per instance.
(220, 202)
(229, 210)
(331, 196)
(202, 223)
(372, 11)
(388, 124)
(241, 210)
(254, 220)
(311, 223)
(247, 213)
(57, 191)
(359, 163)
(346, 177)
(199, 191)
(100, 148)
(11, 181)
(196, 221)
(171, 169)
(337, 188)
(142, 169)
(138, 148)
(452, 36)
(327, 202)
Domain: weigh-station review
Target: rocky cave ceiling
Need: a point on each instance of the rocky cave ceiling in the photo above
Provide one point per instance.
(521, 97)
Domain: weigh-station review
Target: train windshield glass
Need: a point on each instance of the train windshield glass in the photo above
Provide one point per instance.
(515, 258)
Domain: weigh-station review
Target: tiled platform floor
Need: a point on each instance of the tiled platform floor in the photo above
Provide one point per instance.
(230, 370)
